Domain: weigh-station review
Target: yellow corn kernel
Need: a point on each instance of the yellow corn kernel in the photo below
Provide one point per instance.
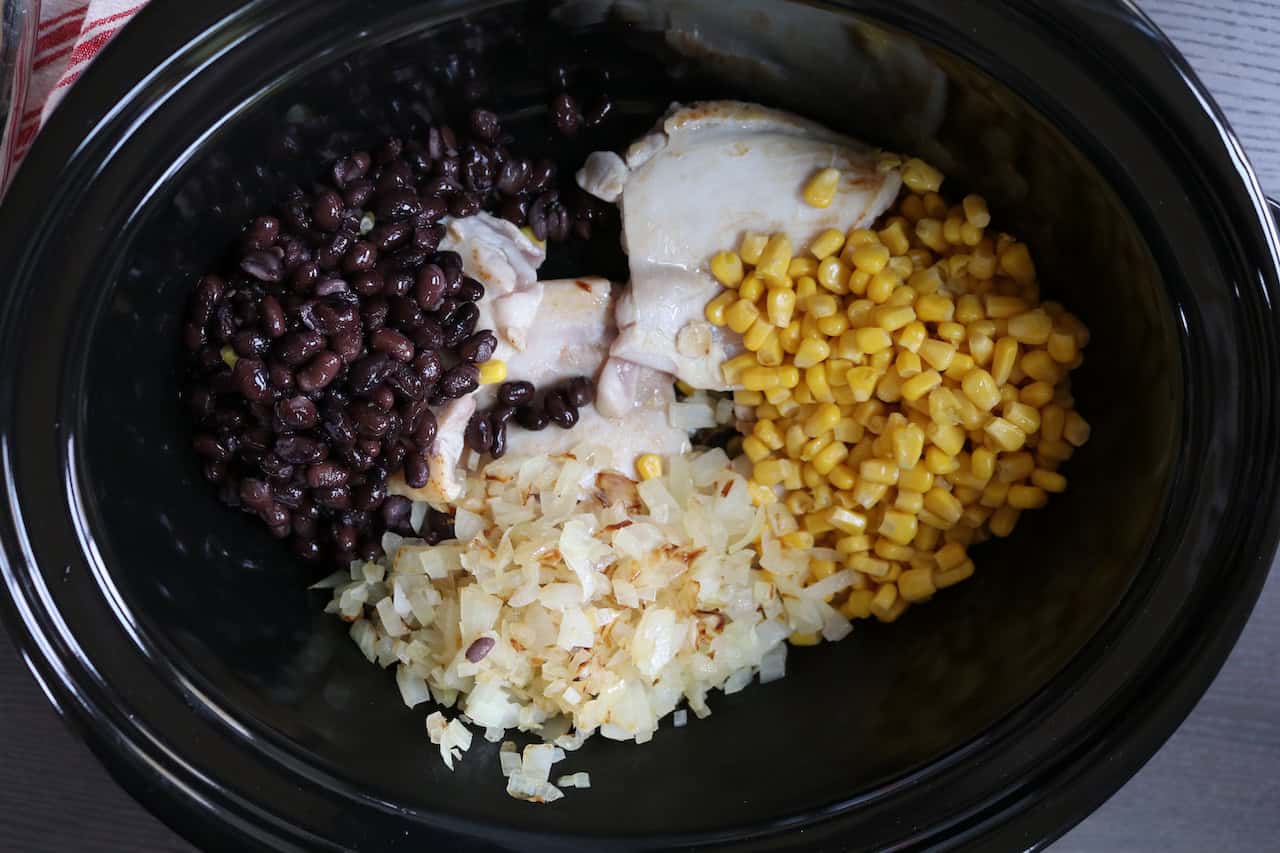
(800, 266)
(795, 440)
(815, 380)
(793, 480)
(826, 244)
(790, 375)
(1003, 520)
(740, 315)
(867, 494)
(798, 539)
(916, 584)
(821, 305)
(938, 354)
(912, 337)
(229, 356)
(894, 317)
(791, 336)
(935, 308)
(752, 288)
(1004, 435)
(918, 386)
(868, 565)
(1052, 422)
(944, 579)
(858, 605)
(493, 371)
(759, 334)
(878, 471)
(803, 395)
(649, 466)
(981, 389)
(847, 521)
(862, 382)
(894, 236)
(812, 446)
(1040, 366)
(871, 258)
(1024, 417)
(767, 432)
(1027, 497)
(1076, 429)
(716, 307)
(819, 569)
(822, 421)
(805, 287)
(1050, 481)
(908, 364)
(948, 439)
(751, 246)
(994, 495)
(898, 527)
(1003, 307)
(821, 189)
(770, 354)
(781, 400)
(810, 638)
(829, 457)
(754, 448)
(884, 601)
(810, 352)
(1015, 262)
(733, 368)
(727, 268)
(1062, 347)
(842, 477)
(981, 348)
(915, 479)
(1032, 327)
(882, 285)
(774, 259)
(939, 462)
(1003, 358)
(975, 211)
(872, 339)
(760, 495)
(770, 472)
(740, 398)
(930, 233)
(920, 177)
(810, 477)
(833, 326)
(969, 309)
(816, 524)
(943, 504)
(833, 274)
(761, 378)
(908, 501)
(953, 333)
(951, 229)
(886, 549)
(982, 464)
(799, 503)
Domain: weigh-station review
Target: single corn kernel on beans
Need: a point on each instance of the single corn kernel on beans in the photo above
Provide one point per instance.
(910, 391)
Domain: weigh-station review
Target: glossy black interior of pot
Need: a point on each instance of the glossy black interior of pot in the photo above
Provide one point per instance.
(229, 605)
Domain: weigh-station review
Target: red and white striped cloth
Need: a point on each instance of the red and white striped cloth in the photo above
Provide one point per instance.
(71, 32)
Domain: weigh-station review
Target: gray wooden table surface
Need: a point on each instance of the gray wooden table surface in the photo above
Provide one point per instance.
(1215, 786)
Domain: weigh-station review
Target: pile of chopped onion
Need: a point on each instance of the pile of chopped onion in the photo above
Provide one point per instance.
(572, 603)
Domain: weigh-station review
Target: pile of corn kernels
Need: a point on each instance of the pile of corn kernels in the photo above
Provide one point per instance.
(909, 392)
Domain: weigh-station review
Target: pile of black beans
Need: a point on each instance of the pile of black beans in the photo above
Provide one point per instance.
(487, 430)
(315, 358)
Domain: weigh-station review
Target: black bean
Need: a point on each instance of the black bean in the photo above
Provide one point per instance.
(254, 493)
(398, 283)
(194, 337)
(346, 537)
(357, 194)
(367, 283)
(515, 393)
(598, 111)
(369, 496)
(513, 176)
(392, 343)
(514, 210)
(441, 524)
(249, 342)
(404, 313)
(277, 469)
(326, 211)
(264, 265)
(369, 372)
(396, 510)
(479, 433)
(406, 383)
(339, 428)
(416, 470)
(307, 548)
(298, 412)
(408, 259)
(207, 297)
(480, 648)
(459, 323)
(499, 447)
(351, 168)
(430, 287)
(262, 233)
(305, 277)
(478, 348)
(459, 381)
(322, 370)
(390, 235)
(580, 392)
(210, 448)
(250, 379)
(477, 169)
(334, 497)
(370, 420)
(224, 323)
(300, 450)
(360, 257)
(425, 432)
(561, 412)
(485, 125)
(465, 204)
(532, 417)
(566, 115)
(428, 335)
(471, 290)
(428, 237)
(347, 345)
(331, 287)
(393, 453)
(396, 205)
(325, 474)
(541, 176)
(214, 471)
(383, 397)
(273, 320)
(434, 208)
(298, 347)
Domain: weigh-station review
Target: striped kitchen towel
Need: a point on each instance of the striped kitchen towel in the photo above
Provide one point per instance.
(70, 34)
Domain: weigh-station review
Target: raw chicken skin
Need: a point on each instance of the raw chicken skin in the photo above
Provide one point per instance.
(691, 188)
(505, 260)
